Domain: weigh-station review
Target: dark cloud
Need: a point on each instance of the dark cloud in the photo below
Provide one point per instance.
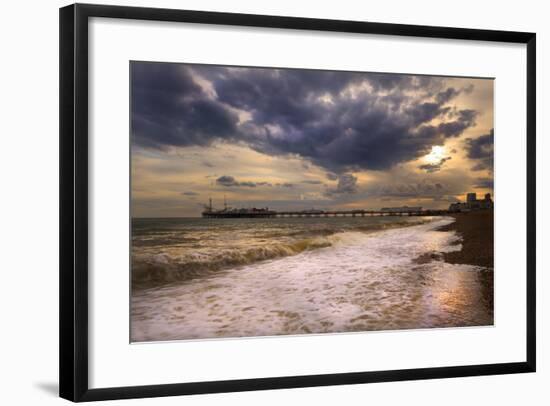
(464, 120)
(484, 183)
(286, 184)
(342, 121)
(230, 181)
(468, 89)
(170, 109)
(190, 193)
(426, 112)
(226, 180)
(312, 182)
(481, 149)
(347, 184)
(331, 176)
(435, 167)
(391, 81)
(446, 95)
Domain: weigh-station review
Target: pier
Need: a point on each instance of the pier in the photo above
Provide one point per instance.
(265, 212)
(260, 213)
(360, 213)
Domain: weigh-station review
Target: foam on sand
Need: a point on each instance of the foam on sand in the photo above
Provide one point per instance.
(359, 282)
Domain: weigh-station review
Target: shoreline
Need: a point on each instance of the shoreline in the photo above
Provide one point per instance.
(476, 230)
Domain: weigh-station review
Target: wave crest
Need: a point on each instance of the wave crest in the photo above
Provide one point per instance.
(151, 270)
(159, 269)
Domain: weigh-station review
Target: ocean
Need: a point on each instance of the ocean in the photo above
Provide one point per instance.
(196, 278)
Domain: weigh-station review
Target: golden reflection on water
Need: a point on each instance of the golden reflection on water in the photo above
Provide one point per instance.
(465, 297)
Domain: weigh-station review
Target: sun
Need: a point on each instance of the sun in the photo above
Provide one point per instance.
(436, 155)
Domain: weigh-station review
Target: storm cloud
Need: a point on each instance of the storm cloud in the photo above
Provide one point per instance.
(485, 183)
(434, 167)
(347, 183)
(481, 150)
(312, 182)
(170, 109)
(341, 121)
(229, 181)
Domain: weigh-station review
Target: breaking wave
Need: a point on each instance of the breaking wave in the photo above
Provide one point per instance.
(343, 282)
(163, 268)
(149, 270)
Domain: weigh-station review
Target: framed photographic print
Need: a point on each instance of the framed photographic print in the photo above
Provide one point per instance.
(257, 202)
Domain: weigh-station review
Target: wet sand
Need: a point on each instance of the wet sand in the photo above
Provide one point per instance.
(477, 232)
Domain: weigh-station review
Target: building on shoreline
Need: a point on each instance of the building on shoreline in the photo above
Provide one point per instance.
(472, 203)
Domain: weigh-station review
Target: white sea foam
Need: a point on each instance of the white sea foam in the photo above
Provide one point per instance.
(360, 282)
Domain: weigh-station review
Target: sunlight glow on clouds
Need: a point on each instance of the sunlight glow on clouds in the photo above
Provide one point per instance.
(294, 139)
(436, 154)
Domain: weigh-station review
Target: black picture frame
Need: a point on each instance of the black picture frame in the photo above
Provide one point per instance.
(73, 281)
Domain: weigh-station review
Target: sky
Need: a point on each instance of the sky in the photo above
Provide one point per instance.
(295, 139)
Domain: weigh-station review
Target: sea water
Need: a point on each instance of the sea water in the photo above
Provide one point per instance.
(205, 278)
